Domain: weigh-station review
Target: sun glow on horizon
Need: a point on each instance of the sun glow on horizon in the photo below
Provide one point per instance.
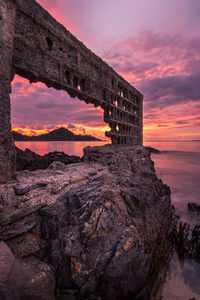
(79, 130)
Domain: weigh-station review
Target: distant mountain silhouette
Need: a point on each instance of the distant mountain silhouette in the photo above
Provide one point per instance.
(60, 134)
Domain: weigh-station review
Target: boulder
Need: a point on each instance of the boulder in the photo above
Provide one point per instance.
(62, 157)
(110, 236)
(31, 280)
(29, 160)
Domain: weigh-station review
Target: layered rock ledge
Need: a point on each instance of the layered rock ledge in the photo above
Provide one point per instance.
(103, 225)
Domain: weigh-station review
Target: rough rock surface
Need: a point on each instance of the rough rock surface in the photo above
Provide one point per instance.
(31, 280)
(107, 226)
(22, 190)
(7, 152)
(29, 160)
(62, 157)
(114, 238)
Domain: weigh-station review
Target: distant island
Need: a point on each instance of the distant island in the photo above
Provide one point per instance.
(60, 134)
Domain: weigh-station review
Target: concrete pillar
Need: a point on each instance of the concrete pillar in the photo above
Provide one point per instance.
(7, 153)
(141, 122)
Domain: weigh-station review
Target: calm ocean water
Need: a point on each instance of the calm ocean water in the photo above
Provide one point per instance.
(76, 148)
(179, 167)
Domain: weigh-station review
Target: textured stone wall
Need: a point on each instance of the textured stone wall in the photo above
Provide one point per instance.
(7, 154)
(41, 49)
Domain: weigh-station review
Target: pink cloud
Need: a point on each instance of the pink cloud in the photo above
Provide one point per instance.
(47, 108)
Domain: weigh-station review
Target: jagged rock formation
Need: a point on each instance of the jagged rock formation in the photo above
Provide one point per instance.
(187, 240)
(34, 45)
(29, 160)
(106, 227)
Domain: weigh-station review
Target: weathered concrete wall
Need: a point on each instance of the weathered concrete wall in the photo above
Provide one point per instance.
(41, 49)
(7, 154)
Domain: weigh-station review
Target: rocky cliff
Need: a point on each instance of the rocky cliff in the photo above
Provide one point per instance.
(103, 225)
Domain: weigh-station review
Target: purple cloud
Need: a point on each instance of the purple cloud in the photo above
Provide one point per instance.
(71, 126)
(172, 90)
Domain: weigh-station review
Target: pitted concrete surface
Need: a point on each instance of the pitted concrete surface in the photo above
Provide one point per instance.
(35, 46)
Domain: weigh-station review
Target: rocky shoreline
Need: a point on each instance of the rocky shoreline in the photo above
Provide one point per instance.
(187, 239)
(29, 160)
(100, 228)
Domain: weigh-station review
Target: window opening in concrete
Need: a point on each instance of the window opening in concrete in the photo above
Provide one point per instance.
(68, 77)
(49, 43)
(37, 109)
(82, 85)
(75, 82)
(113, 83)
(104, 94)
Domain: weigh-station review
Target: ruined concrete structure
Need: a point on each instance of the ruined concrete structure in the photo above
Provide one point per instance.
(35, 46)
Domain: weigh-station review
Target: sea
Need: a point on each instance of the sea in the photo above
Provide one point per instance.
(178, 165)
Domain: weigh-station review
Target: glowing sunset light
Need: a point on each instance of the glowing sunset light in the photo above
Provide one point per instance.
(97, 132)
(155, 47)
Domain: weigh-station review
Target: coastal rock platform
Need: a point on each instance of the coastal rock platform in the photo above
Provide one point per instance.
(104, 225)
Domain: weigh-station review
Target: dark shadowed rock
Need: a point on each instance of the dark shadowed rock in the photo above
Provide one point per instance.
(31, 280)
(192, 206)
(187, 241)
(21, 190)
(109, 237)
(10, 234)
(62, 157)
(19, 214)
(152, 150)
(106, 228)
(29, 160)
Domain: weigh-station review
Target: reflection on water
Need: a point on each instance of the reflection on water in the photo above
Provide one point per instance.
(70, 148)
(180, 170)
(179, 167)
(76, 148)
(182, 282)
(175, 146)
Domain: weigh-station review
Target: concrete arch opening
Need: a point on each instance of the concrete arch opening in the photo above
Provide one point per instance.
(36, 110)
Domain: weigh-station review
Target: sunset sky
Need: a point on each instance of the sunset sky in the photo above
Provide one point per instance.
(154, 44)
